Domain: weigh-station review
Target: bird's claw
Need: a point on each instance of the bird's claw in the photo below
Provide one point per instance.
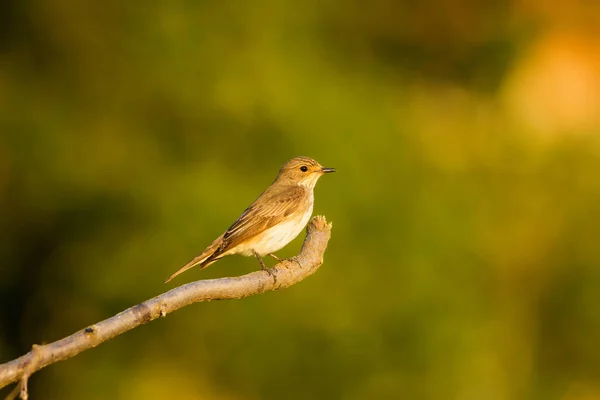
(295, 259)
(271, 272)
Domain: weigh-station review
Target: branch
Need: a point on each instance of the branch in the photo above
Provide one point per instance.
(286, 273)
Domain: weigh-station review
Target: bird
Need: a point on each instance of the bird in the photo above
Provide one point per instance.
(273, 220)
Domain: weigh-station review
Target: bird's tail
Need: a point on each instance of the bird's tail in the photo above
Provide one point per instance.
(205, 259)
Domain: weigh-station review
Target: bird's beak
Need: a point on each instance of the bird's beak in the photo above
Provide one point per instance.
(328, 170)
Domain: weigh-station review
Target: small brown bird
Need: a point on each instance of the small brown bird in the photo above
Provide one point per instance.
(272, 221)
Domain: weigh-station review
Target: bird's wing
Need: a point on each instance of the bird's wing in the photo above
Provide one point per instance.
(268, 210)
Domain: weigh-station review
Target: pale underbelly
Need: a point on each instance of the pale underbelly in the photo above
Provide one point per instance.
(276, 237)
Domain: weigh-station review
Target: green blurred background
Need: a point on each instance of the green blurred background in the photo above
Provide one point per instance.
(465, 257)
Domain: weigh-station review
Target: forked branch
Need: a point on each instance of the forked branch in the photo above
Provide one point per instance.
(286, 273)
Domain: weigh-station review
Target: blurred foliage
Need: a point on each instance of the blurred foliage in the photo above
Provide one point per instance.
(464, 261)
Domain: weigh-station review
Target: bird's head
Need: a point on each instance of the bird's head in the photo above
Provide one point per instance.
(302, 171)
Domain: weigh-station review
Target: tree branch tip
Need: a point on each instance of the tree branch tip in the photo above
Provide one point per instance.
(318, 222)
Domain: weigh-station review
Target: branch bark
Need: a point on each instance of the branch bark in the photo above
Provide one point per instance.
(284, 274)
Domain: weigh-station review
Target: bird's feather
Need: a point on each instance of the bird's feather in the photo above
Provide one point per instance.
(202, 259)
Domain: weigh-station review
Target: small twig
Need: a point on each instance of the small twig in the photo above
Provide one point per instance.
(287, 273)
(31, 367)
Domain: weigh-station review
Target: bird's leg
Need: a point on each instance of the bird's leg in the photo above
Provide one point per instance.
(264, 268)
(260, 260)
(275, 257)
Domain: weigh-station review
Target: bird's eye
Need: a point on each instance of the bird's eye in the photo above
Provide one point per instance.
(304, 168)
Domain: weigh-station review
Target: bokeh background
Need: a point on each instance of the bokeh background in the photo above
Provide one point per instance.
(465, 256)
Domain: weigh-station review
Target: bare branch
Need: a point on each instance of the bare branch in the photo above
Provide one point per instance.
(284, 274)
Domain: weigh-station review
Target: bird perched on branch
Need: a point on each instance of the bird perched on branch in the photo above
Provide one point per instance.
(272, 221)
